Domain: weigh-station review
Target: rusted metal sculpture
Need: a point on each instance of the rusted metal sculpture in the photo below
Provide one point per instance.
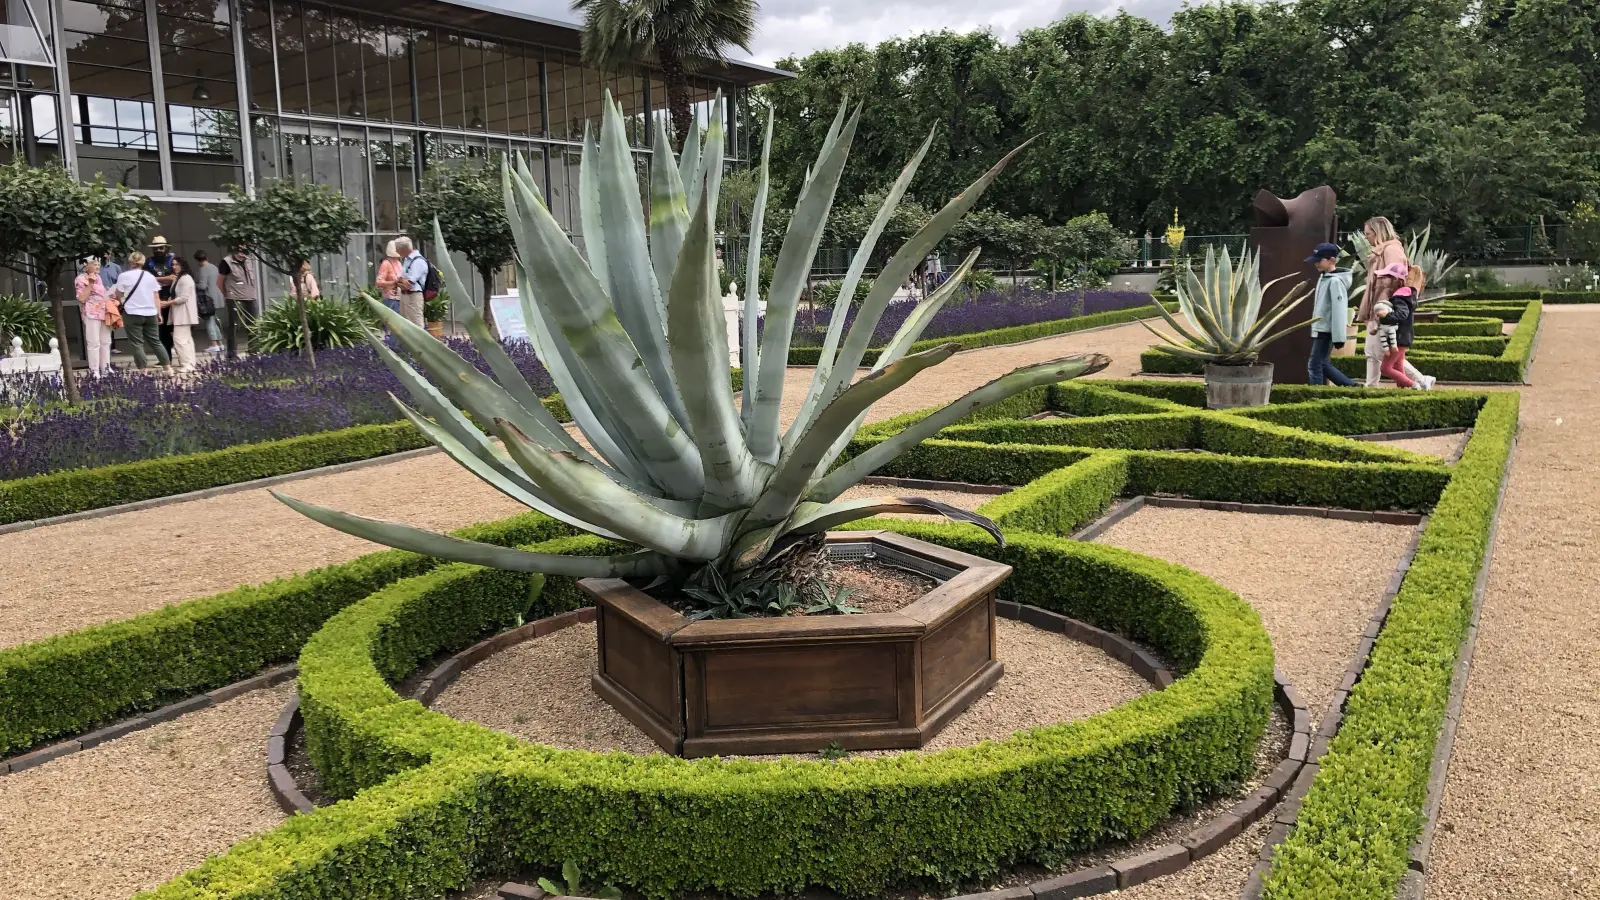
(1284, 233)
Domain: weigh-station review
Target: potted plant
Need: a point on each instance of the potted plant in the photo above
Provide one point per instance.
(720, 629)
(1226, 328)
(435, 310)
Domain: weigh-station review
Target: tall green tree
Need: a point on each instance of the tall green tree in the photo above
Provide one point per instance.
(468, 206)
(49, 220)
(680, 36)
(286, 224)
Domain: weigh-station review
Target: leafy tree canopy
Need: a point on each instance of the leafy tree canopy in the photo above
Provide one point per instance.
(287, 223)
(470, 207)
(1463, 114)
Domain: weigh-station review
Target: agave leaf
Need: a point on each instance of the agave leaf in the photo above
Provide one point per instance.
(572, 381)
(847, 292)
(505, 371)
(811, 518)
(590, 209)
(635, 296)
(789, 482)
(443, 546)
(894, 273)
(911, 329)
(689, 160)
(749, 357)
(699, 340)
(711, 155)
(646, 428)
(500, 473)
(468, 388)
(585, 489)
(788, 279)
(841, 479)
(1185, 333)
(669, 210)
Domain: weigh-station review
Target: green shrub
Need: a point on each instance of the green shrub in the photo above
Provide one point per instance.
(1364, 809)
(26, 319)
(463, 801)
(333, 323)
(1478, 346)
(1400, 412)
(76, 681)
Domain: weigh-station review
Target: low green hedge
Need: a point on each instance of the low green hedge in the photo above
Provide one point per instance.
(447, 801)
(1064, 500)
(1460, 326)
(76, 490)
(1513, 293)
(1508, 366)
(76, 681)
(1365, 806)
(1479, 346)
(808, 356)
(1391, 411)
(1570, 296)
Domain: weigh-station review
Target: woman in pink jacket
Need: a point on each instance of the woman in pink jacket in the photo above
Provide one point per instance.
(1388, 257)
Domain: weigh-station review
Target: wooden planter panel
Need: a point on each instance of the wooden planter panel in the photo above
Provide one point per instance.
(794, 685)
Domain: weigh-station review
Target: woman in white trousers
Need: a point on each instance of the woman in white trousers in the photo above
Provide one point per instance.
(93, 302)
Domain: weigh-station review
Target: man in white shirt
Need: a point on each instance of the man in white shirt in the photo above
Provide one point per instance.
(137, 290)
(413, 275)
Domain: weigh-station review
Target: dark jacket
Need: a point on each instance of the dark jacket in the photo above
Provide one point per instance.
(1401, 316)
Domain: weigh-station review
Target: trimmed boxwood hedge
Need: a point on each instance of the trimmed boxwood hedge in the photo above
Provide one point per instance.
(76, 681)
(1460, 326)
(1508, 366)
(1570, 296)
(77, 490)
(445, 801)
(808, 356)
(1365, 806)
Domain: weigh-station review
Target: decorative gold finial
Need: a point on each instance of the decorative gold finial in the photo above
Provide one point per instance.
(1175, 233)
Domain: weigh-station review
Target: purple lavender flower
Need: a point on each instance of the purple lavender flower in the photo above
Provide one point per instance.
(129, 416)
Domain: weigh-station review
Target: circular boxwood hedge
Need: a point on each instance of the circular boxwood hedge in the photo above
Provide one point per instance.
(438, 801)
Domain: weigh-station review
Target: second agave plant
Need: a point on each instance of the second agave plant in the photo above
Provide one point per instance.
(712, 500)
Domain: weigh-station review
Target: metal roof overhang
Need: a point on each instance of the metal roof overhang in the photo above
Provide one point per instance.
(497, 21)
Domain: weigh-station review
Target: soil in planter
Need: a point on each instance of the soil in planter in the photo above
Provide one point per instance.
(877, 587)
(874, 586)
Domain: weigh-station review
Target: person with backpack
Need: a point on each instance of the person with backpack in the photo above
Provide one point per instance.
(208, 298)
(415, 274)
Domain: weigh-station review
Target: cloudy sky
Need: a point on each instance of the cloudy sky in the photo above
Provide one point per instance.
(796, 27)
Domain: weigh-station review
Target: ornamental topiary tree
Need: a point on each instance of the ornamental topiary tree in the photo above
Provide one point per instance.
(286, 224)
(467, 208)
(49, 219)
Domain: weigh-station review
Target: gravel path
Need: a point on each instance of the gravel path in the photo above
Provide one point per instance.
(98, 570)
(966, 371)
(1521, 814)
(539, 691)
(1444, 446)
(131, 814)
(1314, 581)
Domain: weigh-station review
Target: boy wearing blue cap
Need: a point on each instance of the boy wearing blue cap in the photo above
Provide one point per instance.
(1331, 308)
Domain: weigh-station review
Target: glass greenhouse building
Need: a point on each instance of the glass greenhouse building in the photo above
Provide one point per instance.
(179, 98)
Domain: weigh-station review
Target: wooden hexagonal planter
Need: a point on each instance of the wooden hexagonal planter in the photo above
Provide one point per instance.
(872, 681)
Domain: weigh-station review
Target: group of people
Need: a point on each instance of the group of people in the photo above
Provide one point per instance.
(1388, 310)
(403, 279)
(158, 299)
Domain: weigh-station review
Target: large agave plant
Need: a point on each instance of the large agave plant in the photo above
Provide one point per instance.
(635, 342)
(1435, 263)
(1222, 311)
